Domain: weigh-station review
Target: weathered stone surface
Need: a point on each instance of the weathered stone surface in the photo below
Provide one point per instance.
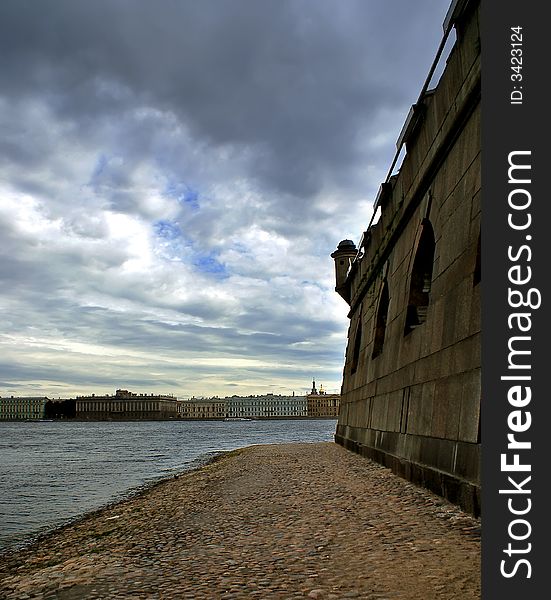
(269, 522)
(423, 252)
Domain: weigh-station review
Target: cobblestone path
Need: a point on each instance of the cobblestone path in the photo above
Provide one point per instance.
(268, 522)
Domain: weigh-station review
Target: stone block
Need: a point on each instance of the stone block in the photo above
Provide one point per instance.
(403, 377)
(454, 407)
(394, 411)
(440, 408)
(469, 418)
(451, 488)
(423, 370)
(467, 462)
(414, 409)
(428, 450)
(391, 341)
(475, 311)
(400, 446)
(405, 409)
(369, 389)
(379, 412)
(390, 441)
(412, 448)
(466, 354)
(469, 50)
(476, 214)
(426, 333)
(463, 307)
(448, 330)
(442, 363)
(445, 455)
(425, 416)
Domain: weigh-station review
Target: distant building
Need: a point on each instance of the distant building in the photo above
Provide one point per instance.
(268, 406)
(29, 408)
(125, 405)
(204, 409)
(322, 405)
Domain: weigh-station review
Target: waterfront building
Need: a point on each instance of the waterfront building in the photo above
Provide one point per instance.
(125, 405)
(322, 405)
(204, 409)
(27, 408)
(268, 406)
(411, 381)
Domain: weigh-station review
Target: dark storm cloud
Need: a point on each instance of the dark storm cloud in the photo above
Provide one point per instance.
(295, 81)
(174, 175)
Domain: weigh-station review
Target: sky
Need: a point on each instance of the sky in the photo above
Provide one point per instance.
(174, 176)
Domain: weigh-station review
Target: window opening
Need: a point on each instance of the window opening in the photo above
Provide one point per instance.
(421, 280)
(381, 320)
(357, 346)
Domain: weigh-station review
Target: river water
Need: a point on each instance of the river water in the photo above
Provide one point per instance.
(52, 472)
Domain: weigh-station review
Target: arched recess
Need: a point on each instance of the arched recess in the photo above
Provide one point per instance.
(381, 320)
(357, 347)
(421, 279)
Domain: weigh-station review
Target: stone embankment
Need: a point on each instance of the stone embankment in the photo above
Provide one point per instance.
(268, 522)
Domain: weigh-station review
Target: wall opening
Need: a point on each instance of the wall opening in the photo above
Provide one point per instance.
(357, 347)
(381, 321)
(421, 279)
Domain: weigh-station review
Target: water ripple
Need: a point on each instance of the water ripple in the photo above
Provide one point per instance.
(53, 472)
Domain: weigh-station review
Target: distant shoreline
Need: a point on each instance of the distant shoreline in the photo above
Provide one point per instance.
(173, 420)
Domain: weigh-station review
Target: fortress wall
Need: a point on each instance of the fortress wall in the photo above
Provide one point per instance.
(415, 406)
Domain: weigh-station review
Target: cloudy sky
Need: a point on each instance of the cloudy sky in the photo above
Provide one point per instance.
(174, 176)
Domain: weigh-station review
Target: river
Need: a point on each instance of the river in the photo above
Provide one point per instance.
(53, 472)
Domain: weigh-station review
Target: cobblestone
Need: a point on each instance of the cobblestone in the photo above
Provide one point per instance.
(269, 522)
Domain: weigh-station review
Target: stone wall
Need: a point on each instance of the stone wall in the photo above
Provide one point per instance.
(411, 382)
